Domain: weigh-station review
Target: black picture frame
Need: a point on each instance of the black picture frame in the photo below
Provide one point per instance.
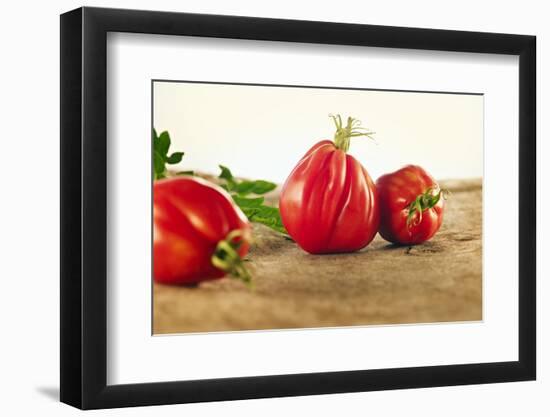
(84, 207)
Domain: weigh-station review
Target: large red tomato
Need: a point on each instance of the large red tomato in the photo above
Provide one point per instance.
(198, 232)
(329, 203)
(411, 204)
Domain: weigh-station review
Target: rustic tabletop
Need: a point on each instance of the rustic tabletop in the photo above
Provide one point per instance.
(438, 281)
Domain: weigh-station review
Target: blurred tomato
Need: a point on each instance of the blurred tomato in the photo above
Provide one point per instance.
(329, 202)
(198, 233)
(411, 205)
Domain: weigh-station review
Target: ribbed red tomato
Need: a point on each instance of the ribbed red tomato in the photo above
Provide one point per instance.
(411, 204)
(329, 203)
(198, 232)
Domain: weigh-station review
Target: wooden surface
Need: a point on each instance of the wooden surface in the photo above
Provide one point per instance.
(437, 281)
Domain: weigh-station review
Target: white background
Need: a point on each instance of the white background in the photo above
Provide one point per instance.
(247, 128)
(29, 264)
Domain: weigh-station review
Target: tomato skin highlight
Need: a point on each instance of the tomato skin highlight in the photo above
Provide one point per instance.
(329, 203)
(190, 217)
(397, 191)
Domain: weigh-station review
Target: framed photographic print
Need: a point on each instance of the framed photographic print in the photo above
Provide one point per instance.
(258, 207)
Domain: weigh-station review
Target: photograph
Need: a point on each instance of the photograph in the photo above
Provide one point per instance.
(300, 207)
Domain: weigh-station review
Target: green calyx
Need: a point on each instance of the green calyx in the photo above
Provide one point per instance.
(226, 257)
(423, 202)
(344, 134)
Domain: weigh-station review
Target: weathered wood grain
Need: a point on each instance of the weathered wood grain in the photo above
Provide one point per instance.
(438, 281)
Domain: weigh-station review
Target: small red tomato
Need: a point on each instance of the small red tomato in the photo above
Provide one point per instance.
(411, 205)
(198, 232)
(329, 203)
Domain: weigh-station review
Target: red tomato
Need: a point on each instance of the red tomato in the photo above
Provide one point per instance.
(329, 203)
(198, 232)
(411, 204)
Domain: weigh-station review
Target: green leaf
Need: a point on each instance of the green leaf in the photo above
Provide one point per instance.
(263, 187)
(255, 187)
(163, 143)
(244, 187)
(269, 216)
(243, 202)
(185, 173)
(158, 162)
(228, 177)
(253, 207)
(226, 173)
(175, 158)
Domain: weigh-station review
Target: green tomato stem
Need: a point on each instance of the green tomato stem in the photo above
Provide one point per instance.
(423, 202)
(227, 258)
(344, 134)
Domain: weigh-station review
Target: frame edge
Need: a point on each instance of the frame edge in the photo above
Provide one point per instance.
(70, 208)
(527, 268)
